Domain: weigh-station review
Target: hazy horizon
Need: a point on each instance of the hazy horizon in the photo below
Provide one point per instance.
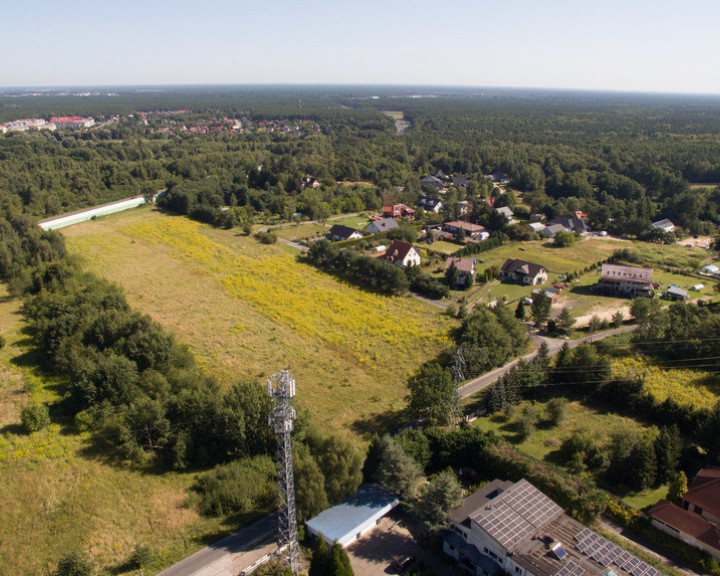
(616, 46)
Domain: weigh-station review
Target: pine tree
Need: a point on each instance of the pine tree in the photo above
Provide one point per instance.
(339, 562)
(520, 310)
(320, 561)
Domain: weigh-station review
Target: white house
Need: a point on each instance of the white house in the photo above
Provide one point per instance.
(664, 225)
(403, 254)
(516, 528)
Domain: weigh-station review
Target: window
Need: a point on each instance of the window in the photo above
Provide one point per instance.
(517, 569)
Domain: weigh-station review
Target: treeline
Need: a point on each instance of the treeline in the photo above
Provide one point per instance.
(624, 165)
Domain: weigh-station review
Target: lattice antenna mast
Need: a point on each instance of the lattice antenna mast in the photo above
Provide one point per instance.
(458, 372)
(281, 388)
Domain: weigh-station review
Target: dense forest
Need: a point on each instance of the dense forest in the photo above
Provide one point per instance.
(624, 160)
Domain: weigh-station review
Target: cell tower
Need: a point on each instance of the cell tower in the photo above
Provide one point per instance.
(281, 388)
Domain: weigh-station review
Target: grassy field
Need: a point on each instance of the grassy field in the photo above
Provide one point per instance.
(543, 444)
(358, 222)
(301, 230)
(57, 495)
(696, 388)
(248, 310)
(586, 252)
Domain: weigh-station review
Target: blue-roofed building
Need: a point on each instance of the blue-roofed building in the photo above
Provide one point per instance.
(356, 516)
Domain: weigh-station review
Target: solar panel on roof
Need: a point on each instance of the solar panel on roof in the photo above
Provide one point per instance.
(631, 564)
(653, 571)
(570, 569)
(614, 553)
(583, 534)
(623, 558)
(640, 569)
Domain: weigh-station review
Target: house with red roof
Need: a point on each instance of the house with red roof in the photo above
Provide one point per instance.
(403, 254)
(398, 211)
(697, 521)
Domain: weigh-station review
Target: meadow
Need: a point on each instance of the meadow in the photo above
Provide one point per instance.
(57, 492)
(543, 444)
(248, 310)
(698, 389)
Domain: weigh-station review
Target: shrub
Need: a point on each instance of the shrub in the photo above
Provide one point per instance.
(34, 417)
(141, 556)
(239, 486)
(74, 563)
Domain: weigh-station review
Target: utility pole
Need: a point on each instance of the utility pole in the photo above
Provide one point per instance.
(458, 373)
(281, 388)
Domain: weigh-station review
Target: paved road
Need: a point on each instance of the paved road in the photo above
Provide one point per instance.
(554, 345)
(218, 559)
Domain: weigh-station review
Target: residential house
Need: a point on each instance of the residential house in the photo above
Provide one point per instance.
(516, 529)
(710, 270)
(665, 225)
(507, 212)
(550, 231)
(340, 232)
(499, 177)
(474, 231)
(309, 182)
(383, 225)
(398, 211)
(464, 207)
(697, 522)
(403, 254)
(571, 224)
(536, 226)
(460, 181)
(676, 293)
(464, 266)
(628, 281)
(432, 181)
(524, 272)
(430, 204)
(440, 175)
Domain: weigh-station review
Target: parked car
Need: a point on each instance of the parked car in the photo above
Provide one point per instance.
(402, 563)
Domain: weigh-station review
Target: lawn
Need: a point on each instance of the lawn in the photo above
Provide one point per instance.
(300, 231)
(58, 495)
(579, 298)
(248, 310)
(358, 222)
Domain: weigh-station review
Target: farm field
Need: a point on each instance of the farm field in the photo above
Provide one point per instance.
(57, 493)
(248, 310)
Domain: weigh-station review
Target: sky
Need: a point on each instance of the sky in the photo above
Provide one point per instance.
(624, 45)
